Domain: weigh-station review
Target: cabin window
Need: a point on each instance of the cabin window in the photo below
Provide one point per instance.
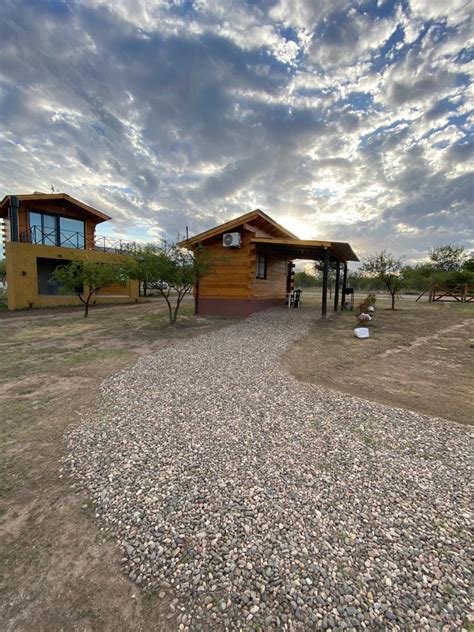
(261, 266)
(54, 230)
(47, 286)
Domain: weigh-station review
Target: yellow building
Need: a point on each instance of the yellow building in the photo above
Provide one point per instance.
(43, 231)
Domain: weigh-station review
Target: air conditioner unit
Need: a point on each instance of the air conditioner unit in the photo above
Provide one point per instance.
(231, 240)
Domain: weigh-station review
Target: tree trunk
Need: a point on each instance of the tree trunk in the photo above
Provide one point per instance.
(170, 313)
(170, 309)
(176, 309)
(393, 300)
(87, 301)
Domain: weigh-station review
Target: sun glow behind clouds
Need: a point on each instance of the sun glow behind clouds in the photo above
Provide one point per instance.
(299, 227)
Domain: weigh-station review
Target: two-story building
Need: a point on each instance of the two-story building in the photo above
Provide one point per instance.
(42, 231)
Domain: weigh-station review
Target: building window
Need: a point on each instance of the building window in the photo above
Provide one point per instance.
(71, 232)
(47, 286)
(261, 266)
(43, 229)
(54, 230)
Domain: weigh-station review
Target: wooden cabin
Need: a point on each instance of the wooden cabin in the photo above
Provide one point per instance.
(42, 231)
(254, 265)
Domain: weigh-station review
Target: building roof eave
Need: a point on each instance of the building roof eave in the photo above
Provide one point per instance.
(307, 249)
(102, 217)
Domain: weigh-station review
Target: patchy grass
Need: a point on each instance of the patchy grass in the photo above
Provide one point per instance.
(61, 573)
(417, 357)
(98, 355)
(3, 301)
(160, 323)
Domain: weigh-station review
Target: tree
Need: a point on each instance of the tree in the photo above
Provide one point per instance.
(362, 282)
(3, 271)
(448, 257)
(319, 269)
(86, 278)
(418, 276)
(305, 280)
(387, 268)
(171, 271)
(144, 270)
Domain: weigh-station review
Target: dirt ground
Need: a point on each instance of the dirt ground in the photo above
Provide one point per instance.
(418, 357)
(58, 573)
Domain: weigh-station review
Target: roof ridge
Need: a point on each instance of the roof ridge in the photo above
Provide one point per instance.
(236, 221)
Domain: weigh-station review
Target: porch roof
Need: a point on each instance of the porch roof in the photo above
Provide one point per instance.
(305, 248)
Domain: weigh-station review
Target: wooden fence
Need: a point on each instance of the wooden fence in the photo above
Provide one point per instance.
(453, 292)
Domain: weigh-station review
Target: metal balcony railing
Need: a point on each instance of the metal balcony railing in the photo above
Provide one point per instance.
(70, 239)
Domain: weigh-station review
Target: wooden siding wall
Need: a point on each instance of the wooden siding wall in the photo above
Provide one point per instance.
(232, 270)
(274, 286)
(234, 273)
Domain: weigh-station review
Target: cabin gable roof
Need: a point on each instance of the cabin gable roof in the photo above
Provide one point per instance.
(256, 219)
(271, 236)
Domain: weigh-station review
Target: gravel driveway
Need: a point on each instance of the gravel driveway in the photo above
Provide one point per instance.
(267, 503)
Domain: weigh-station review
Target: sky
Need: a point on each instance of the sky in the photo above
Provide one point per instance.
(343, 120)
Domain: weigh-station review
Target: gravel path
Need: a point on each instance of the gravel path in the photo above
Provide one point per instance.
(266, 503)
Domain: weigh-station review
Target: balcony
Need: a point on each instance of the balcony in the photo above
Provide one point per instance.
(70, 239)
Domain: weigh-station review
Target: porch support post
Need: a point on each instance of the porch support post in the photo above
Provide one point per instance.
(336, 285)
(344, 285)
(324, 303)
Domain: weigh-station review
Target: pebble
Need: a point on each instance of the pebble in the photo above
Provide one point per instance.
(249, 495)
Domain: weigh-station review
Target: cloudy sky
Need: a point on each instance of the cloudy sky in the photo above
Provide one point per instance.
(345, 120)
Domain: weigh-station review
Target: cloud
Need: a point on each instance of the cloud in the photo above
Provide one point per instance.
(345, 119)
(455, 11)
(460, 153)
(427, 86)
(306, 15)
(346, 36)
